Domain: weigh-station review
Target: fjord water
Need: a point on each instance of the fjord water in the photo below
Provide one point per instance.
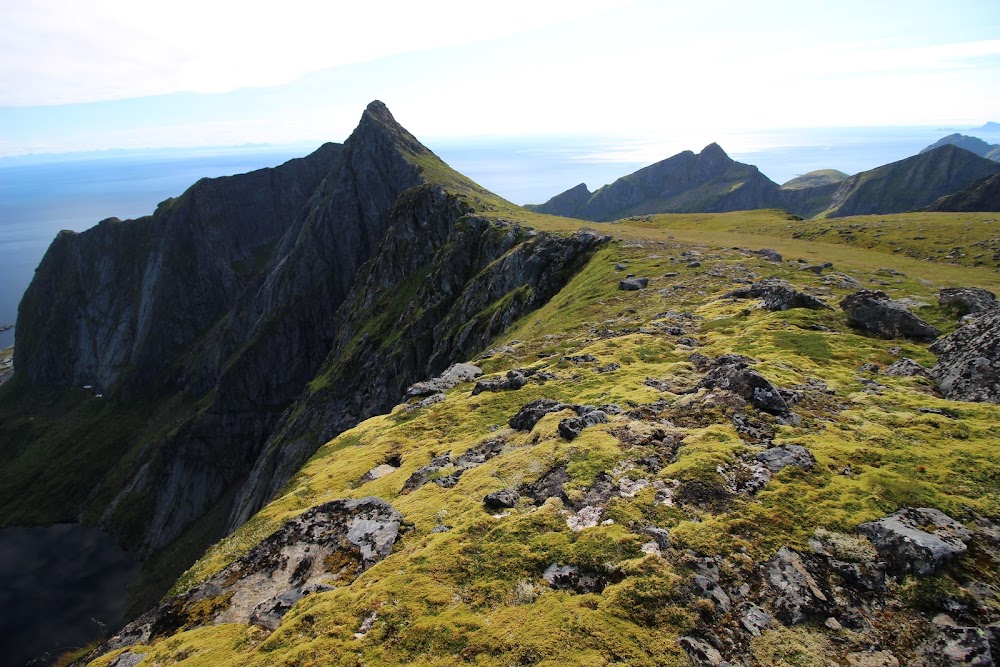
(61, 587)
(41, 195)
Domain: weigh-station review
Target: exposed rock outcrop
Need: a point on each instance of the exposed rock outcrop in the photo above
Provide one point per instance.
(326, 546)
(777, 295)
(967, 300)
(873, 311)
(917, 540)
(968, 367)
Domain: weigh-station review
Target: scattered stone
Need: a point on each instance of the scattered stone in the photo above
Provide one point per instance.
(968, 366)
(608, 368)
(954, 646)
(587, 517)
(456, 374)
(917, 540)
(782, 456)
(906, 367)
(548, 486)
(503, 499)
(479, 454)
(571, 427)
(967, 300)
(530, 414)
(768, 254)
(660, 535)
(513, 381)
(440, 528)
(873, 311)
(633, 284)
(754, 619)
(693, 265)
(797, 593)
(377, 472)
(833, 624)
(704, 587)
(268, 614)
(620, 267)
(700, 652)
(571, 577)
(330, 543)
(690, 342)
(733, 375)
(426, 473)
(777, 295)
(581, 358)
(127, 659)
(670, 274)
(366, 626)
(817, 268)
(869, 368)
(433, 399)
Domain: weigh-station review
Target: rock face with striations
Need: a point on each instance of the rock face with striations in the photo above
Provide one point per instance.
(277, 309)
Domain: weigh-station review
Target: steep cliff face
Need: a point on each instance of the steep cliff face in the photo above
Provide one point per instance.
(443, 283)
(982, 195)
(124, 299)
(707, 182)
(244, 322)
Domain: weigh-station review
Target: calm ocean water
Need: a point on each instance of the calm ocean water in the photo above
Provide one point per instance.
(40, 196)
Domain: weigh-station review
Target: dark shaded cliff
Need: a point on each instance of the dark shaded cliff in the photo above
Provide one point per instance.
(250, 315)
(983, 195)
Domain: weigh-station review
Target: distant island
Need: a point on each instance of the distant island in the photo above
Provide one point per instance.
(988, 127)
(6, 327)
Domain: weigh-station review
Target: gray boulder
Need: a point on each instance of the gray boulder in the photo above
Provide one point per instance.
(917, 539)
(577, 579)
(571, 427)
(455, 374)
(633, 284)
(777, 295)
(530, 414)
(513, 381)
(874, 312)
(906, 367)
(769, 254)
(503, 499)
(733, 375)
(967, 300)
(955, 646)
(782, 456)
(798, 594)
(968, 367)
(700, 652)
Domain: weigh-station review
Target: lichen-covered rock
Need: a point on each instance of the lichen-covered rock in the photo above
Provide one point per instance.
(917, 540)
(968, 366)
(700, 652)
(733, 375)
(571, 427)
(777, 295)
(906, 367)
(577, 579)
(798, 594)
(955, 646)
(873, 311)
(424, 474)
(328, 545)
(967, 300)
(530, 414)
(778, 458)
(503, 499)
(633, 284)
(454, 375)
(514, 380)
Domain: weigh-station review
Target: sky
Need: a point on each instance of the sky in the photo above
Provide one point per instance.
(83, 75)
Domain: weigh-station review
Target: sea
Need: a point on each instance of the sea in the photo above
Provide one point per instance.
(43, 194)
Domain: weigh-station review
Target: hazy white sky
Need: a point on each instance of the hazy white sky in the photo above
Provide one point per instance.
(95, 74)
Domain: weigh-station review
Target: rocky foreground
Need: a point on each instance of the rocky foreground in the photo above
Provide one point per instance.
(690, 456)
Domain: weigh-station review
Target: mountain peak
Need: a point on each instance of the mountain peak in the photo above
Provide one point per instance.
(713, 149)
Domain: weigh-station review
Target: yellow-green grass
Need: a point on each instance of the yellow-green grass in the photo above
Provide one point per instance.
(474, 595)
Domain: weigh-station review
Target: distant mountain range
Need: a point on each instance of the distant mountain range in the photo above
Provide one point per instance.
(973, 144)
(712, 182)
